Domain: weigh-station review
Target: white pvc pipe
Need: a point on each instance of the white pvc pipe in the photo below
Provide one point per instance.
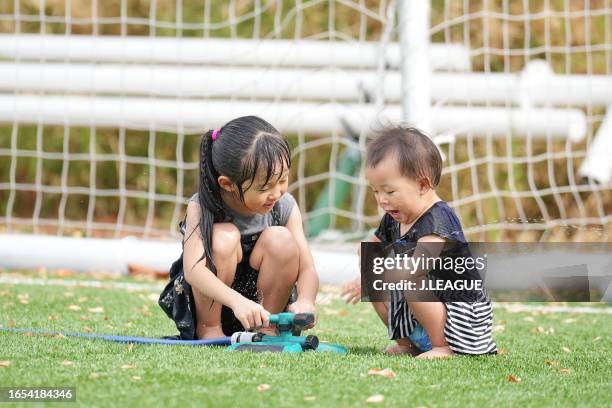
(181, 115)
(540, 85)
(299, 84)
(334, 264)
(415, 68)
(92, 254)
(114, 255)
(133, 49)
(597, 164)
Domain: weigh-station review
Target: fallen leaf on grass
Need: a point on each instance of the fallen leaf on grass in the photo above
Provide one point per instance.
(24, 298)
(147, 272)
(67, 363)
(59, 336)
(63, 273)
(502, 351)
(74, 307)
(568, 321)
(88, 329)
(53, 316)
(335, 312)
(513, 378)
(93, 376)
(27, 334)
(145, 311)
(98, 309)
(128, 366)
(376, 399)
(84, 317)
(263, 387)
(309, 398)
(552, 363)
(597, 338)
(5, 363)
(565, 370)
(541, 329)
(498, 328)
(566, 349)
(386, 372)
(136, 378)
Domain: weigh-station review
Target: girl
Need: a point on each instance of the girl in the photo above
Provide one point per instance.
(244, 248)
(403, 167)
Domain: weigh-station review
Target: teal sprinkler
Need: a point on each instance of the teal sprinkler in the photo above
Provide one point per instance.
(288, 340)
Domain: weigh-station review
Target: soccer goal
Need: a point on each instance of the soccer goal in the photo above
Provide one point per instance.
(102, 105)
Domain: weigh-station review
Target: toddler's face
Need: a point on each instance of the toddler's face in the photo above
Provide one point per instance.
(396, 194)
(260, 197)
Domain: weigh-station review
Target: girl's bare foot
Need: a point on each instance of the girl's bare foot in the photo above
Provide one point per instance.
(438, 352)
(270, 331)
(402, 346)
(209, 332)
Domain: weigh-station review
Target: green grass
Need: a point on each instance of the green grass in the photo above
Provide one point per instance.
(213, 377)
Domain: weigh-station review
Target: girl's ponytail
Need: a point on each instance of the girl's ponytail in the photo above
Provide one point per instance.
(209, 196)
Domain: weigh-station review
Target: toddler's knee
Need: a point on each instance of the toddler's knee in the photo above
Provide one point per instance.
(225, 240)
(280, 242)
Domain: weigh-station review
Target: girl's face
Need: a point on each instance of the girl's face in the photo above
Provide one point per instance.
(261, 197)
(398, 195)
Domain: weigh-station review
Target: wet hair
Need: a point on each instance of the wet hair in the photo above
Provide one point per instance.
(417, 156)
(242, 148)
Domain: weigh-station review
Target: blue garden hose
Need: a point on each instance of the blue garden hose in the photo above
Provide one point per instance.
(220, 341)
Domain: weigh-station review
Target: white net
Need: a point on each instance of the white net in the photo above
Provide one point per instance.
(102, 104)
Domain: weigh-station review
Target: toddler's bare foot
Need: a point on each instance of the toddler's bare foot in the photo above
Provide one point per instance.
(209, 332)
(437, 352)
(402, 346)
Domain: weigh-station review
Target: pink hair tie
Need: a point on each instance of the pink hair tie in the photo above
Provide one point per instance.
(215, 133)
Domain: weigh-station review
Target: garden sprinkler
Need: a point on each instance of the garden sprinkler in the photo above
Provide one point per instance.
(288, 340)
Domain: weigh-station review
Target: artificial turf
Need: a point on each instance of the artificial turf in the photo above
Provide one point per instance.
(561, 359)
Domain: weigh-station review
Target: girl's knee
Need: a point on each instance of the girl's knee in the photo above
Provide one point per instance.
(280, 242)
(225, 241)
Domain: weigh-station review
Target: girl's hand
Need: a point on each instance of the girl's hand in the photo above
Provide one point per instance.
(252, 315)
(351, 291)
(304, 306)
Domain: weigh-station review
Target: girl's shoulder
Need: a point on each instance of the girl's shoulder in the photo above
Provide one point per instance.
(439, 219)
(194, 198)
(284, 206)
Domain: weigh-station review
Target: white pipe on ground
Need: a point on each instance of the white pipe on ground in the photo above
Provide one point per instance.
(24, 251)
(191, 116)
(168, 50)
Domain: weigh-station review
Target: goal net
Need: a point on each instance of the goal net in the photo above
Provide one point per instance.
(102, 104)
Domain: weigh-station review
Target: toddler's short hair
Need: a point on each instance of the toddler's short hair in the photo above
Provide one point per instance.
(418, 157)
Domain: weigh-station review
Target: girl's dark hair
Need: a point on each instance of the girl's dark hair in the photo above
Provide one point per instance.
(242, 148)
(417, 156)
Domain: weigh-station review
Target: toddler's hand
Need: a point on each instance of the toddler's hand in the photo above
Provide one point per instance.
(252, 315)
(304, 306)
(351, 291)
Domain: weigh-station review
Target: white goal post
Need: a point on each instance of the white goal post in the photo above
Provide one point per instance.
(101, 108)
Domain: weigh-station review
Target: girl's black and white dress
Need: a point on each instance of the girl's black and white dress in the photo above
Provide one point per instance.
(468, 323)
